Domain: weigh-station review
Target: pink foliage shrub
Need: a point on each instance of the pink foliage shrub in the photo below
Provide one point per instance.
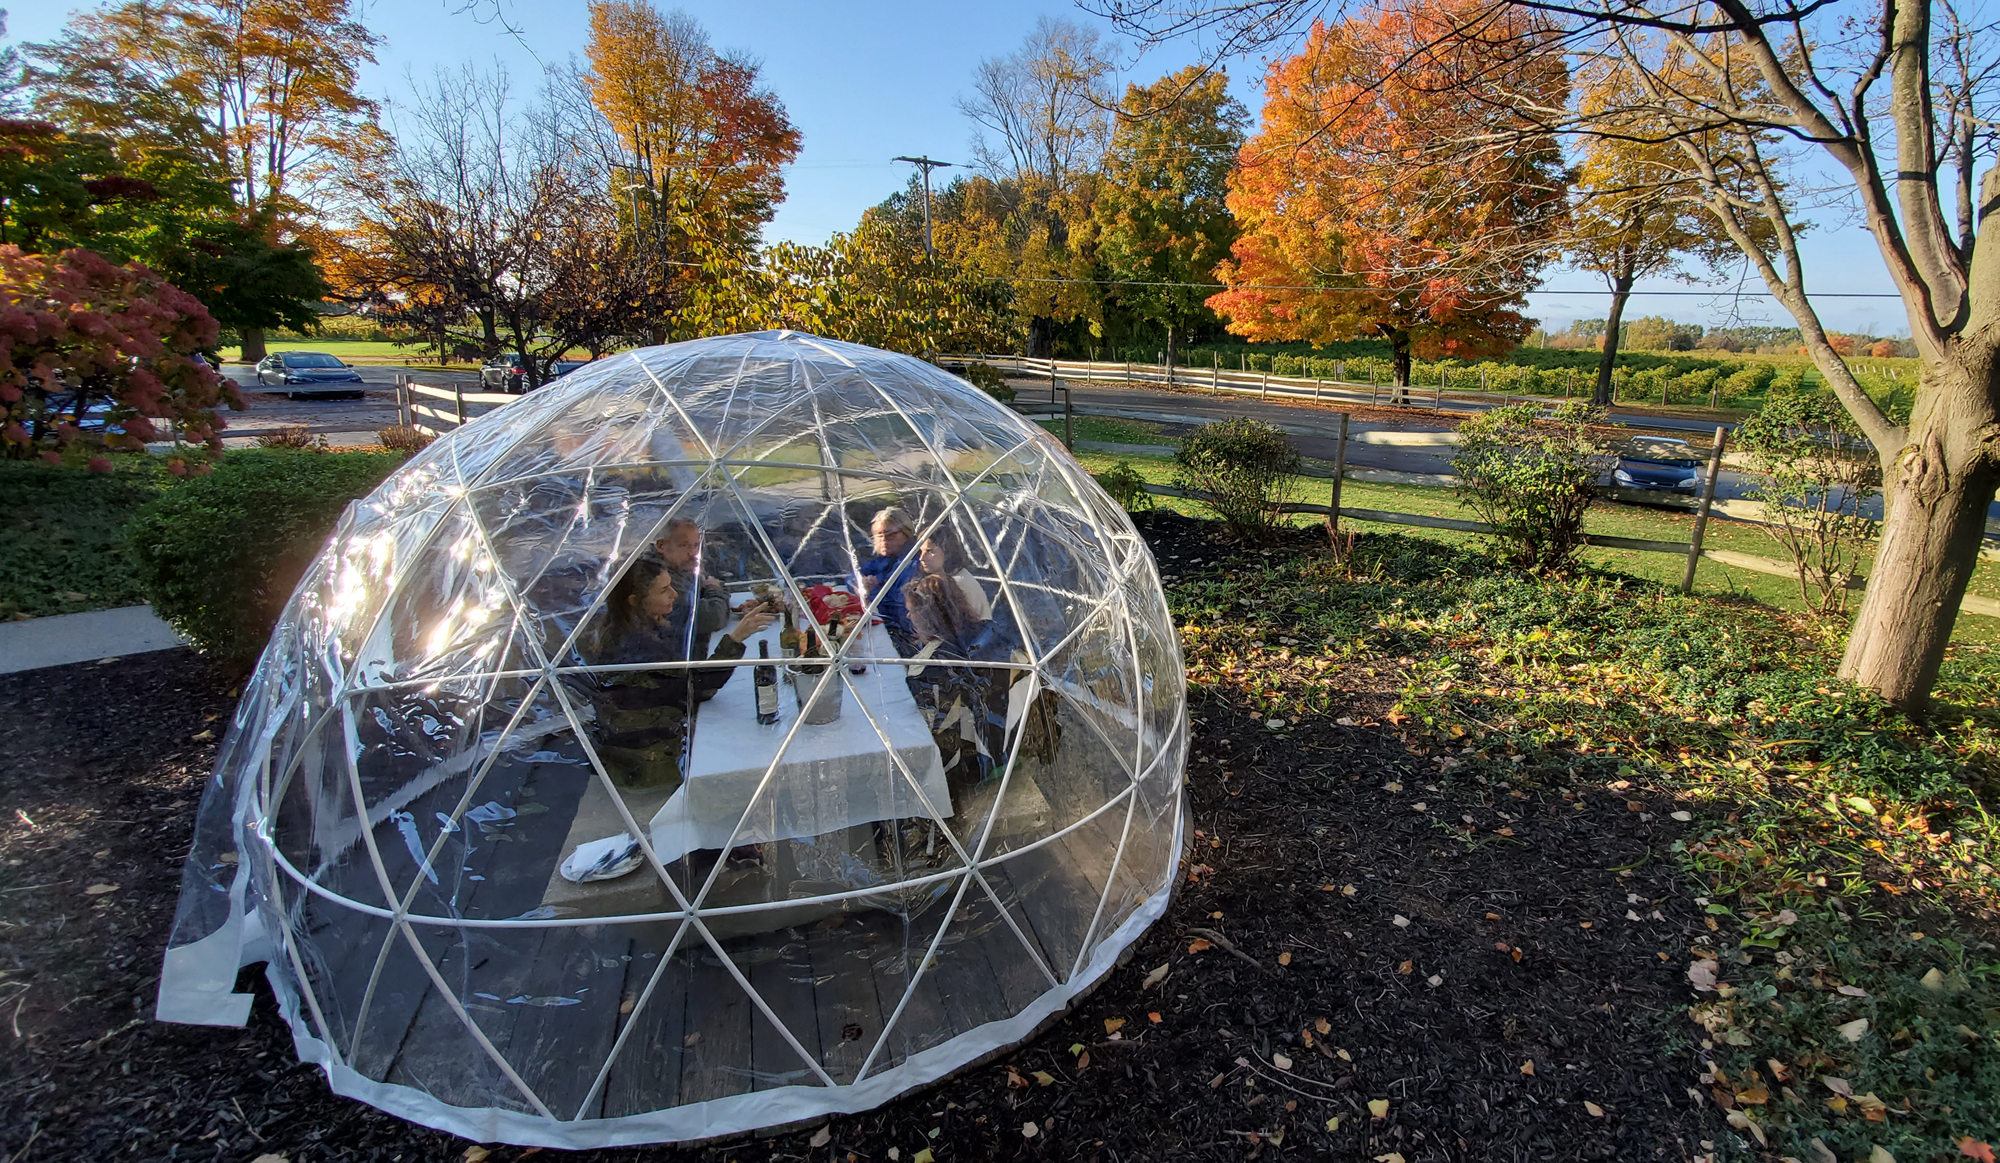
(78, 326)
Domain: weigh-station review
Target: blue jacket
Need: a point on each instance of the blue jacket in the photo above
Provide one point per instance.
(891, 609)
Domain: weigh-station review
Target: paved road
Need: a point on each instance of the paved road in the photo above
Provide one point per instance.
(269, 410)
(1313, 429)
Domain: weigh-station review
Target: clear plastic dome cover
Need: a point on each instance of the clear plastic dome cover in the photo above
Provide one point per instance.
(727, 734)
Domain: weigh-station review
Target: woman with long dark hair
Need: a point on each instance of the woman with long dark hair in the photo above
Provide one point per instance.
(642, 714)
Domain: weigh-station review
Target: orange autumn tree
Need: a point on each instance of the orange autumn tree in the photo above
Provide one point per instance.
(1362, 215)
(697, 135)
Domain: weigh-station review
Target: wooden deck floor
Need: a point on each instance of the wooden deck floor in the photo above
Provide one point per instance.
(553, 1001)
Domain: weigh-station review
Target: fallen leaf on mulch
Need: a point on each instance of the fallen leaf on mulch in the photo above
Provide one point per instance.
(1378, 1108)
(1199, 944)
(100, 889)
(1855, 1030)
(1400, 921)
(1154, 978)
(822, 1137)
(1286, 959)
(1972, 1148)
(1702, 973)
(268, 1157)
(1391, 1157)
(1596, 1112)
(1528, 1068)
(923, 1156)
(1281, 1062)
(1323, 1026)
(475, 1153)
(1852, 991)
(1044, 1078)
(1112, 1025)
(1744, 1122)
(1030, 1129)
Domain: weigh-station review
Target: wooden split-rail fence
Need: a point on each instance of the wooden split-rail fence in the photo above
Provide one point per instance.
(436, 410)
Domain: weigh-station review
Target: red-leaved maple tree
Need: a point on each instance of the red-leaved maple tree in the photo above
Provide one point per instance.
(1362, 215)
(96, 351)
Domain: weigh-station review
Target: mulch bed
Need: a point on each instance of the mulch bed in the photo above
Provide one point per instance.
(1415, 974)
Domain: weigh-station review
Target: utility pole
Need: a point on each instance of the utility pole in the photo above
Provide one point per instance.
(926, 164)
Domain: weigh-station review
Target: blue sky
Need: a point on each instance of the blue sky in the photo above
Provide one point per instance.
(867, 81)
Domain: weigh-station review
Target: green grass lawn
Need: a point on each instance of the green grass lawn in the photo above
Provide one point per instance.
(1711, 577)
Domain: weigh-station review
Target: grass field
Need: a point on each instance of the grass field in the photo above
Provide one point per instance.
(355, 351)
(1612, 520)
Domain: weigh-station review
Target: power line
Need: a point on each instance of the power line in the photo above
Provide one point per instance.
(1371, 290)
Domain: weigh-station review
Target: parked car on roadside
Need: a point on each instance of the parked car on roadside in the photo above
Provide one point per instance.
(309, 373)
(509, 372)
(1658, 462)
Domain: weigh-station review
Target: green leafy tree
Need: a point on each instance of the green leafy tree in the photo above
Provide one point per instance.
(60, 190)
(261, 95)
(1162, 212)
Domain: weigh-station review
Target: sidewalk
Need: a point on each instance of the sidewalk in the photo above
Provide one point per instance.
(62, 639)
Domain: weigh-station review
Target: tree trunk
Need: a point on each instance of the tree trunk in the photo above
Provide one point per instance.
(1041, 337)
(1936, 488)
(1621, 290)
(1399, 348)
(253, 345)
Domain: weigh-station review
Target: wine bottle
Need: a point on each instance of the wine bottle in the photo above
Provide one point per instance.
(767, 686)
(789, 636)
(811, 645)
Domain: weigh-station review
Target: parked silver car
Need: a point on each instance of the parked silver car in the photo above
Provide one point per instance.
(309, 373)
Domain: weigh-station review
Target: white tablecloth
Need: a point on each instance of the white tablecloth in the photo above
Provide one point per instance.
(832, 775)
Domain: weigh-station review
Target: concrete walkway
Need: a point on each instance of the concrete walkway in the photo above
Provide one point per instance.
(62, 639)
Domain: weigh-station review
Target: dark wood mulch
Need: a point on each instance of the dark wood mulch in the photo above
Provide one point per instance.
(1414, 973)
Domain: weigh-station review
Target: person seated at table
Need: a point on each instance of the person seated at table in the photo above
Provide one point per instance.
(642, 715)
(887, 573)
(704, 603)
(940, 555)
(967, 704)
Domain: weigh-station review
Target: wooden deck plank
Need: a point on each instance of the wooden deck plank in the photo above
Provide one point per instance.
(718, 1057)
(647, 1074)
(783, 977)
(849, 1013)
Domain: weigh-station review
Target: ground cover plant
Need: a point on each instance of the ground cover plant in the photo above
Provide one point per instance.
(62, 539)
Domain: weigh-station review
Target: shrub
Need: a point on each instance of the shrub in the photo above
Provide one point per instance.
(401, 438)
(1814, 476)
(293, 436)
(988, 379)
(218, 555)
(1243, 469)
(1126, 487)
(1531, 474)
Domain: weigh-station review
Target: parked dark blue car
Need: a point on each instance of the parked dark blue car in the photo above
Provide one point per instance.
(1658, 462)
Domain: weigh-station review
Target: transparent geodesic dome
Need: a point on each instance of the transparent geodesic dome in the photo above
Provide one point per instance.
(502, 810)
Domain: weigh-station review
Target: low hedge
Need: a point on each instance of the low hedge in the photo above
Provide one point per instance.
(218, 555)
